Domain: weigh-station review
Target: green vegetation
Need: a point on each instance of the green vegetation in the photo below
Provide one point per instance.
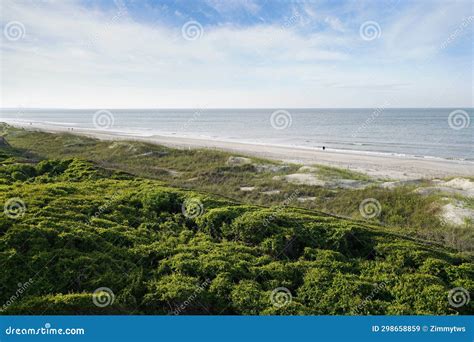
(71, 227)
(327, 172)
(209, 171)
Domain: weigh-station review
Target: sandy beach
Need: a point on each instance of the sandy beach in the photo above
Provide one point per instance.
(379, 166)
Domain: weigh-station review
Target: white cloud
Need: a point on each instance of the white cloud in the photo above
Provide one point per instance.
(335, 23)
(229, 6)
(420, 31)
(77, 57)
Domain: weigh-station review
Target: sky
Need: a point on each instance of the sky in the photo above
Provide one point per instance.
(236, 54)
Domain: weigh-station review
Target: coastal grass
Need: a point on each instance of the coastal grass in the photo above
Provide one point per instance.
(77, 227)
(328, 172)
(209, 171)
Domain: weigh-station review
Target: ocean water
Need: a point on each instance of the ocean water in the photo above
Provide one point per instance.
(446, 133)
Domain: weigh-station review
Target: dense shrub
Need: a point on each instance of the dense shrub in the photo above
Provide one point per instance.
(84, 228)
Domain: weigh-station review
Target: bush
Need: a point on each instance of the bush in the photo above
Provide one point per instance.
(84, 229)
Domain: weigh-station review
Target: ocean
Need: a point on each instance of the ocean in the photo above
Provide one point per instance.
(445, 133)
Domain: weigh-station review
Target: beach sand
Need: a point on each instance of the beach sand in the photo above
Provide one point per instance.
(379, 166)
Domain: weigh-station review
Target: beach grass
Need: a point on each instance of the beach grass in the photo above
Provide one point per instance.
(82, 227)
(208, 170)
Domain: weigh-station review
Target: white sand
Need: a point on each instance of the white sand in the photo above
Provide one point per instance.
(301, 178)
(458, 186)
(461, 184)
(455, 213)
(380, 166)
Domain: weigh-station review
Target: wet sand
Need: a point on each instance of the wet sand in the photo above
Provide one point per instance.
(380, 166)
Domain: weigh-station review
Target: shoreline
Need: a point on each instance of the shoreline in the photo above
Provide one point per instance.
(376, 165)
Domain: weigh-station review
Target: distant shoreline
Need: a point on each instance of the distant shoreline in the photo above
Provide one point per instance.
(380, 166)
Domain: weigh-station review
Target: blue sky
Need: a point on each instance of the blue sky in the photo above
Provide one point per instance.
(247, 53)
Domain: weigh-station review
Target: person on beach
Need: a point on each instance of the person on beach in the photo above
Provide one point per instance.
(324, 147)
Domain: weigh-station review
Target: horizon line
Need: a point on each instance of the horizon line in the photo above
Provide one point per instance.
(218, 108)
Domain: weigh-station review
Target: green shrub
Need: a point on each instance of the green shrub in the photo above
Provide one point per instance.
(85, 227)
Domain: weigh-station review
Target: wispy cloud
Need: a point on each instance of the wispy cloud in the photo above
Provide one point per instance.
(77, 55)
(335, 23)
